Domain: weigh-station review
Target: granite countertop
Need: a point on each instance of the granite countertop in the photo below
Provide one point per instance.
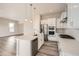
(69, 47)
(26, 37)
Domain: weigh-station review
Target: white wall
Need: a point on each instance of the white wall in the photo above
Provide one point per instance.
(28, 28)
(49, 21)
(21, 27)
(4, 27)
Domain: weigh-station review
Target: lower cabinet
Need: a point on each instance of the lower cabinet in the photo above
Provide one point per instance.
(27, 47)
(40, 40)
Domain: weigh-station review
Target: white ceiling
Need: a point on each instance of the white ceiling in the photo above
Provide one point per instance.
(13, 11)
(18, 11)
(46, 8)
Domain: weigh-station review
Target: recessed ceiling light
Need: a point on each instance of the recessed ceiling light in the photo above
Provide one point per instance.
(25, 19)
(31, 21)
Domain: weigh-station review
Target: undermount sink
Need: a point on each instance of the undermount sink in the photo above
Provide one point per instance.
(66, 36)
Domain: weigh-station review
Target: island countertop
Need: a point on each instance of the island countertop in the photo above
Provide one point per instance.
(26, 37)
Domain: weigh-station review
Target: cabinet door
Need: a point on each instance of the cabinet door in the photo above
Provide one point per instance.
(34, 47)
(40, 40)
(23, 47)
(73, 15)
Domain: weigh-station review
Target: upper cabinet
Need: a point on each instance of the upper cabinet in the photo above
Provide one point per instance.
(73, 15)
(64, 17)
(64, 14)
(62, 20)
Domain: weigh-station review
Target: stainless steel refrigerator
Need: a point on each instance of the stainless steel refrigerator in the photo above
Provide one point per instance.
(45, 31)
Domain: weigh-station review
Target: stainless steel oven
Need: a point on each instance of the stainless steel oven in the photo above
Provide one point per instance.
(51, 30)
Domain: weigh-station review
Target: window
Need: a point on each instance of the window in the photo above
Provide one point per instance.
(11, 27)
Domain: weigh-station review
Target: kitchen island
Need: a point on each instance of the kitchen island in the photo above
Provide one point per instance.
(27, 45)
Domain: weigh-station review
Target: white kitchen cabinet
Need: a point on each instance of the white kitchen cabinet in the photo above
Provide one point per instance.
(63, 15)
(40, 40)
(73, 15)
(53, 38)
(26, 46)
(73, 20)
(23, 48)
(59, 23)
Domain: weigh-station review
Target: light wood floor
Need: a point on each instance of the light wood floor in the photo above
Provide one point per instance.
(8, 46)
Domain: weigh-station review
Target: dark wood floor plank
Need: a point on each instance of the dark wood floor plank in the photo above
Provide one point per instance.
(48, 49)
(8, 46)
